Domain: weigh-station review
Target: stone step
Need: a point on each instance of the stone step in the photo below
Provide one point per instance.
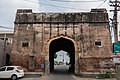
(33, 74)
(93, 75)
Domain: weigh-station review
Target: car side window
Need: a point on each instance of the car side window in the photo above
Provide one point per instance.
(2, 69)
(10, 68)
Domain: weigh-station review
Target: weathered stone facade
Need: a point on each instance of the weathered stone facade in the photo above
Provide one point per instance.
(88, 31)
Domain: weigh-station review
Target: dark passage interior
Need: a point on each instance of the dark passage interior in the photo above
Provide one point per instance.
(62, 44)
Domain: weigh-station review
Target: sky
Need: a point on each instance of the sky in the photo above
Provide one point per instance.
(8, 8)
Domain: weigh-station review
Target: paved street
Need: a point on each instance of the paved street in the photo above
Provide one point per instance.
(70, 77)
(61, 73)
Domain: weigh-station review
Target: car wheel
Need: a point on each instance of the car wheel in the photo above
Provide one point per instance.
(14, 77)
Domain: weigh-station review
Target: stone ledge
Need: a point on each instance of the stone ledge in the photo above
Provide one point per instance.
(33, 74)
(92, 74)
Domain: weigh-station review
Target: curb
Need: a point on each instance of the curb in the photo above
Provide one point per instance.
(33, 74)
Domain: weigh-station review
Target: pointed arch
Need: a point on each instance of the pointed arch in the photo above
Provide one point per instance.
(72, 41)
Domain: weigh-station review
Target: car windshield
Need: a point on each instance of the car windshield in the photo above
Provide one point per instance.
(19, 68)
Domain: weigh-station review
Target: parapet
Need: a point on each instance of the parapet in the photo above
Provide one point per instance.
(102, 10)
(94, 16)
(24, 11)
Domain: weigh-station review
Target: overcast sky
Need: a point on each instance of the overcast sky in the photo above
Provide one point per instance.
(8, 8)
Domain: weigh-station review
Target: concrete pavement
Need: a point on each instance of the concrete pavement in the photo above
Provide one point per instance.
(60, 73)
(74, 78)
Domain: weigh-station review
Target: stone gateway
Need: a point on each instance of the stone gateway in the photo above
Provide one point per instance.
(84, 35)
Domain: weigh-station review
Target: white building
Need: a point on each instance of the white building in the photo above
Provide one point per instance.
(62, 57)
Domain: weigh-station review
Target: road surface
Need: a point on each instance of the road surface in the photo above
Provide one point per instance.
(62, 73)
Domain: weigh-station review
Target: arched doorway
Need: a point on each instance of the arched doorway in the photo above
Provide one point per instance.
(65, 45)
(7, 59)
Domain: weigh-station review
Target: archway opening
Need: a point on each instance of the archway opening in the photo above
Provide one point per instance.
(67, 47)
(7, 59)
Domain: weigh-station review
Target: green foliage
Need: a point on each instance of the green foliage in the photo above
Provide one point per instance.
(68, 54)
(56, 62)
(55, 56)
(107, 74)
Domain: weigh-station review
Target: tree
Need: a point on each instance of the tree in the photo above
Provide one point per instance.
(68, 54)
(55, 56)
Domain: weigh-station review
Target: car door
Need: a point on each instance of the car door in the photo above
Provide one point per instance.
(3, 72)
(9, 71)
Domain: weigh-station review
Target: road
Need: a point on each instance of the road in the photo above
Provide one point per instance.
(61, 73)
(58, 77)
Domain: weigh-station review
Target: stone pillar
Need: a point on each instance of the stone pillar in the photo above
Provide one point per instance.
(31, 61)
(47, 67)
(76, 67)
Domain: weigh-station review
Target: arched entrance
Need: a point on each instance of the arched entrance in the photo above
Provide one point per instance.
(61, 43)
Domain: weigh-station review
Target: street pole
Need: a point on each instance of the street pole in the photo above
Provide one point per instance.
(115, 23)
(116, 5)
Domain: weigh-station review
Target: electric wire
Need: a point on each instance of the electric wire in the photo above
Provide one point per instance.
(76, 1)
(72, 8)
(49, 4)
(5, 27)
(53, 5)
(102, 3)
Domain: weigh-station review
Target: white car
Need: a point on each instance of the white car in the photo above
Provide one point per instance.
(13, 72)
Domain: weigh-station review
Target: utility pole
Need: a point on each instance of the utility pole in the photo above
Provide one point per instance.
(116, 5)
